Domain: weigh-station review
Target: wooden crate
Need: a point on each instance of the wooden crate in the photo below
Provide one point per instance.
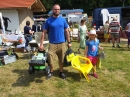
(19, 49)
(100, 36)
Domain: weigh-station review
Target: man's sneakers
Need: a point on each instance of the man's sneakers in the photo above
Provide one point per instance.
(61, 75)
(113, 46)
(49, 75)
(118, 46)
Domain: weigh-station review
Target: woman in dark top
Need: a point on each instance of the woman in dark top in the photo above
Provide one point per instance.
(28, 34)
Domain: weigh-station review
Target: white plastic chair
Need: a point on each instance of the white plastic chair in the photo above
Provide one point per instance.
(75, 33)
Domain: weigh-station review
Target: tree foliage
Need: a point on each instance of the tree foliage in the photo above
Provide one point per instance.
(87, 5)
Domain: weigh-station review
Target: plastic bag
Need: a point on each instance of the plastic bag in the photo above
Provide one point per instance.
(68, 57)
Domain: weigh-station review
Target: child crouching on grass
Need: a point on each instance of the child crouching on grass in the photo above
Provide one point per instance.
(91, 51)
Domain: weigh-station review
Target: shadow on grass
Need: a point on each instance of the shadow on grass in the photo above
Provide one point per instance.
(70, 76)
(25, 78)
(77, 52)
(104, 46)
(119, 49)
(26, 56)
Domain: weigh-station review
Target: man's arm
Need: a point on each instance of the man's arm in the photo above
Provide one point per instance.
(43, 35)
(120, 28)
(126, 28)
(42, 39)
(31, 32)
(67, 35)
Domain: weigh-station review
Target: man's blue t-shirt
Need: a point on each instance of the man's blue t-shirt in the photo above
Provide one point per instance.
(26, 29)
(55, 28)
(92, 47)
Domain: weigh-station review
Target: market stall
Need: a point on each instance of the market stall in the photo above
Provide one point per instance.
(8, 45)
(100, 36)
(10, 39)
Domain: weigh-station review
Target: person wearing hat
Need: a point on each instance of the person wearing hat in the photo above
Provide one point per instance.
(82, 33)
(91, 50)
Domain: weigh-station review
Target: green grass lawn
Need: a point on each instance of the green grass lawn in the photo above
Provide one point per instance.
(113, 81)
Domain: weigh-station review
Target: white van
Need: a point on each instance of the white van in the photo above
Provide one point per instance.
(77, 17)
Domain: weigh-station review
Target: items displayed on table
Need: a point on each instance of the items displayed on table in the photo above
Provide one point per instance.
(18, 40)
(7, 55)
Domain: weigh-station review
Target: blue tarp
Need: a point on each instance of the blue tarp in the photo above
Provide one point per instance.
(68, 11)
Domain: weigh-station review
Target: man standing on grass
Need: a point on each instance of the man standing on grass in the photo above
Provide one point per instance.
(115, 28)
(56, 27)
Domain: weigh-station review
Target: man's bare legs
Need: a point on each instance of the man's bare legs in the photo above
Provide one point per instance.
(118, 40)
(113, 42)
(51, 67)
(62, 75)
(61, 66)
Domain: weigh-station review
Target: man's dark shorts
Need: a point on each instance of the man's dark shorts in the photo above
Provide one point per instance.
(115, 35)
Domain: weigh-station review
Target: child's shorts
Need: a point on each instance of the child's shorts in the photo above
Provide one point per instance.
(93, 59)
